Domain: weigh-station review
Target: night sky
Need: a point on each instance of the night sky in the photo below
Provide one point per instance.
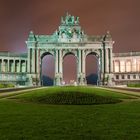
(120, 17)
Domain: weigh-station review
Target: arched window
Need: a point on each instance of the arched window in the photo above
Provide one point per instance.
(117, 66)
(128, 66)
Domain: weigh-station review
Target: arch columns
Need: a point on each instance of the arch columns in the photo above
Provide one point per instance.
(81, 80)
(33, 60)
(108, 73)
(29, 60)
(106, 60)
(111, 61)
(58, 68)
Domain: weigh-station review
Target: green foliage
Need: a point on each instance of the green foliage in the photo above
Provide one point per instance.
(6, 85)
(134, 85)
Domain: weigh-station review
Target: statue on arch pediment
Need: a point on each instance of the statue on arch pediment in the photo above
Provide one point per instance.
(77, 20)
(69, 20)
(62, 20)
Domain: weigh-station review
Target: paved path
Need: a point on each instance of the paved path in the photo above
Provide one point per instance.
(128, 89)
(132, 93)
(14, 92)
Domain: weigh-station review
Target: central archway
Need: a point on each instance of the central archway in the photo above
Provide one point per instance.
(69, 69)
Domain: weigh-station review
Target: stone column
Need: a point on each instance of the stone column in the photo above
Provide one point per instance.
(37, 61)
(83, 62)
(7, 67)
(17, 65)
(2, 66)
(83, 67)
(102, 59)
(99, 69)
(119, 65)
(8, 63)
(56, 61)
(113, 66)
(29, 60)
(20, 66)
(57, 74)
(14, 65)
(26, 66)
(61, 64)
(33, 60)
(79, 61)
(111, 61)
(80, 75)
(106, 61)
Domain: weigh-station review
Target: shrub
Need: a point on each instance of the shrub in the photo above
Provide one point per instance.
(71, 98)
(6, 85)
(134, 85)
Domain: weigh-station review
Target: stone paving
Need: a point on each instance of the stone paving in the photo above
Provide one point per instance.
(14, 92)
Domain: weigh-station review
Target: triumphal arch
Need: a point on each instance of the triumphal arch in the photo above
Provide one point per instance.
(69, 39)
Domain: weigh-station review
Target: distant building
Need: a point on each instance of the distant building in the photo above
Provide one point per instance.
(26, 69)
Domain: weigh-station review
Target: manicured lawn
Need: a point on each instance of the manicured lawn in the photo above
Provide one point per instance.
(34, 120)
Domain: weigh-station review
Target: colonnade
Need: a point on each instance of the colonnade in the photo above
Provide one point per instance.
(126, 65)
(13, 65)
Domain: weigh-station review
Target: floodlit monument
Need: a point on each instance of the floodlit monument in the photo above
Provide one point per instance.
(26, 69)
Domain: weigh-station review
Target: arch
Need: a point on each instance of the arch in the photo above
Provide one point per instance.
(68, 52)
(128, 65)
(46, 80)
(46, 53)
(138, 65)
(70, 71)
(116, 66)
(92, 52)
(94, 76)
(122, 65)
(134, 65)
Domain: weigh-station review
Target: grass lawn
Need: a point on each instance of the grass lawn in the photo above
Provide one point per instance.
(33, 120)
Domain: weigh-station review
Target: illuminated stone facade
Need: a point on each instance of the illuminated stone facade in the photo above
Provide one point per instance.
(126, 67)
(13, 68)
(25, 69)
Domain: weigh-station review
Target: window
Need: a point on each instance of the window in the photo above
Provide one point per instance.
(117, 66)
(117, 76)
(128, 66)
(134, 76)
(122, 66)
(128, 76)
(122, 76)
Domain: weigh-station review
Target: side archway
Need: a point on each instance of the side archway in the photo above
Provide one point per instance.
(47, 69)
(92, 68)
